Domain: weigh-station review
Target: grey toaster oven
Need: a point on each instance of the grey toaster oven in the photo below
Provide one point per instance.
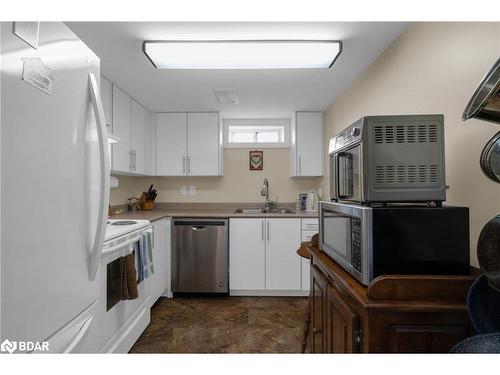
(389, 159)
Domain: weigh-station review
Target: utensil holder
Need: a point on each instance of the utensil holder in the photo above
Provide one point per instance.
(145, 203)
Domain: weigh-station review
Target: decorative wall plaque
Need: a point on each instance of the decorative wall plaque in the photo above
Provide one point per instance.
(256, 160)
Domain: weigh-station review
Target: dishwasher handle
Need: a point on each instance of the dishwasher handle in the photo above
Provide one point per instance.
(198, 228)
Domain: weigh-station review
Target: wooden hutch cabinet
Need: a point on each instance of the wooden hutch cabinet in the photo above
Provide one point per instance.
(394, 314)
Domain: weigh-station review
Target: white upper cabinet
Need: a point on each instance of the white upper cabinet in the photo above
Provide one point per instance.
(171, 140)
(122, 155)
(139, 118)
(132, 123)
(149, 145)
(188, 144)
(307, 145)
(107, 100)
(203, 144)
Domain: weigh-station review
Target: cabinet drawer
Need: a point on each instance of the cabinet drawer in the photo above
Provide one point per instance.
(307, 234)
(310, 224)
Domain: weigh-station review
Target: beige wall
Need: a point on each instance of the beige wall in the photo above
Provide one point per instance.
(434, 68)
(238, 184)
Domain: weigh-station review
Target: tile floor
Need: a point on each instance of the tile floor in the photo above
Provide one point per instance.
(226, 325)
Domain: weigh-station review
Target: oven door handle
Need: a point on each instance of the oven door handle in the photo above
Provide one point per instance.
(121, 246)
(337, 175)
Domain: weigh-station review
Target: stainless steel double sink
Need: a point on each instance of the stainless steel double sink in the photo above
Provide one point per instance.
(257, 210)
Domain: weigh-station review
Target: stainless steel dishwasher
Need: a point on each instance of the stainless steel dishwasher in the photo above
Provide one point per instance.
(200, 256)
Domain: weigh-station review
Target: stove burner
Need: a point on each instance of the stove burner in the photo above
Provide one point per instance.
(124, 222)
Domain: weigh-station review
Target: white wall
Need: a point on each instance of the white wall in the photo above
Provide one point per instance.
(434, 68)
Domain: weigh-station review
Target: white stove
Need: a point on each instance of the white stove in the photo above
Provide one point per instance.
(118, 228)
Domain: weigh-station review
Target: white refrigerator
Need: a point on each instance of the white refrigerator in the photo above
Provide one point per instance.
(54, 189)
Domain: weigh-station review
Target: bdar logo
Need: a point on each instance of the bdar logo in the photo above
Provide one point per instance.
(8, 346)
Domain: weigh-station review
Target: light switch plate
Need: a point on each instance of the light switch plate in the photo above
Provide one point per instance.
(192, 190)
(183, 190)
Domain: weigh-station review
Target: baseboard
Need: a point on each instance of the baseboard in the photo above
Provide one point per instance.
(269, 293)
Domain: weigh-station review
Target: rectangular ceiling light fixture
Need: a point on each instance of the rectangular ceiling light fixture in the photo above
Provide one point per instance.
(242, 54)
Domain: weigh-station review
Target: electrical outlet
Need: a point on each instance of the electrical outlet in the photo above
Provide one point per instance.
(184, 190)
(192, 190)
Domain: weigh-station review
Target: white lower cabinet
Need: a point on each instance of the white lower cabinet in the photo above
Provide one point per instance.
(247, 255)
(306, 274)
(160, 280)
(309, 229)
(263, 256)
(283, 266)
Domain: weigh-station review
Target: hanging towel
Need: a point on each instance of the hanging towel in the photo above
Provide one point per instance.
(144, 256)
(123, 279)
(138, 262)
(131, 278)
(128, 277)
(148, 236)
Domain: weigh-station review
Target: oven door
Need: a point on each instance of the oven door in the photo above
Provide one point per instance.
(347, 174)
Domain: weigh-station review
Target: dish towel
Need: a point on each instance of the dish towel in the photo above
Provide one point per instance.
(144, 256)
(128, 277)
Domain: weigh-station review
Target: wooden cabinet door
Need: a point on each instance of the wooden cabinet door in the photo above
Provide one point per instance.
(171, 138)
(247, 259)
(122, 158)
(309, 135)
(203, 144)
(283, 266)
(318, 310)
(341, 324)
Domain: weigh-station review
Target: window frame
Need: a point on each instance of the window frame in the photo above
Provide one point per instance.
(262, 122)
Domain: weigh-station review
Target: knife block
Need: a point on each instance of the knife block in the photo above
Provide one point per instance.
(145, 204)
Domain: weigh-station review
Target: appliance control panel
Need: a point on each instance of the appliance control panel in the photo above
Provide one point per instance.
(350, 135)
(356, 243)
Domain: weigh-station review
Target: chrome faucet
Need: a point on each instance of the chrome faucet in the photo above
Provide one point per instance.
(264, 191)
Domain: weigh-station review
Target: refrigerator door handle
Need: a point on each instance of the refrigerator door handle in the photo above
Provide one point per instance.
(96, 250)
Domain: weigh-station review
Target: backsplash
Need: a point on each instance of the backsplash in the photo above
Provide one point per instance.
(238, 184)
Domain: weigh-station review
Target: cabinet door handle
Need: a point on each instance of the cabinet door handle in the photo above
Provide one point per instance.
(183, 165)
(188, 158)
(131, 159)
(267, 222)
(135, 159)
(262, 230)
(300, 165)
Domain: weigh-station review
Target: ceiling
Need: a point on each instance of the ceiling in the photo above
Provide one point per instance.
(262, 93)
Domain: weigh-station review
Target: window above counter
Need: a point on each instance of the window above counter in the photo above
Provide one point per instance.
(256, 133)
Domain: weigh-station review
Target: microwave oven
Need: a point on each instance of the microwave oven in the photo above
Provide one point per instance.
(389, 159)
(372, 241)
